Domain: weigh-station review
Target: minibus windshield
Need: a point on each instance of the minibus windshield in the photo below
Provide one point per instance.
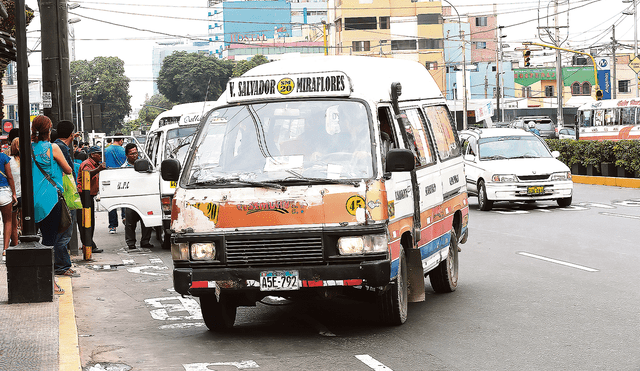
(283, 141)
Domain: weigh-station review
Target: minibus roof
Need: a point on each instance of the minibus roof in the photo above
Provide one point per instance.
(370, 77)
(184, 114)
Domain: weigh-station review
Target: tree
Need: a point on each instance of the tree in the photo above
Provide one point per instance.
(151, 108)
(8, 25)
(102, 81)
(243, 66)
(192, 77)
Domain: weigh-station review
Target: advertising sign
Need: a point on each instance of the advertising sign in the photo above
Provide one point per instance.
(604, 81)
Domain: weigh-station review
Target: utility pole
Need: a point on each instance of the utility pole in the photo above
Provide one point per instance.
(498, 74)
(614, 88)
(559, 79)
(55, 59)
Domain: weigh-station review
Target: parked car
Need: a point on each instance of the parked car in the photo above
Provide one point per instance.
(513, 165)
(567, 133)
(544, 125)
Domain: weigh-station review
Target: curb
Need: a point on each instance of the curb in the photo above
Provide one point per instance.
(69, 349)
(607, 181)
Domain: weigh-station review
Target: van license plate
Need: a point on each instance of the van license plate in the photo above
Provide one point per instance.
(279, 280)
(535, 190)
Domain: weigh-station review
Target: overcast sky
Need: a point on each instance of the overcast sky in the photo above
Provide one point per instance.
(128, 29)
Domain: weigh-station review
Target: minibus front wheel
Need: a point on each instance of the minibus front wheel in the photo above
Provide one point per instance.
(218, 315)
(392, 303)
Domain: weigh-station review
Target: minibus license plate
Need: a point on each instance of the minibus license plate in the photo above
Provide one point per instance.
(535, 190)
(279, 280)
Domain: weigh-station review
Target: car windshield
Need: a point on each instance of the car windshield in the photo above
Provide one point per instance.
(544, 126)
(283, 142)
(178, 141)
(507, 147)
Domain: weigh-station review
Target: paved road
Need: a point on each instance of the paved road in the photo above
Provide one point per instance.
(541, 288)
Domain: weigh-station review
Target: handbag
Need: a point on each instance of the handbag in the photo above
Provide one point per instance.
(71, 195)
(65, 214)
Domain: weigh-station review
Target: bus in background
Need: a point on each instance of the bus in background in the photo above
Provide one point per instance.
(611, 119)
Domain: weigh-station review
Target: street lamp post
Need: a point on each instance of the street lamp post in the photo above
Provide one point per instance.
(464, 68)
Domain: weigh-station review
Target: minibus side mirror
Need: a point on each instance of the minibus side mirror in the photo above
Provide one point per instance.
(400, 160)
(142, 165)
(170, 170)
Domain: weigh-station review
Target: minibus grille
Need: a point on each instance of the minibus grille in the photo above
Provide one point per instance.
(274, 251)
(529, 178)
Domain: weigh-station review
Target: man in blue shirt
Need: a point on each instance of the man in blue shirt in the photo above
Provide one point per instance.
(114, 156)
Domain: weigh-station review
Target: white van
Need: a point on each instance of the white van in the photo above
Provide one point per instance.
(169, 137)
(327, 177)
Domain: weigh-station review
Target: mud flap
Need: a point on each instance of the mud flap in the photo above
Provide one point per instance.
(415, 276)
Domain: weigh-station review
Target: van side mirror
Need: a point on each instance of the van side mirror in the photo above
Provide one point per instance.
(142, 165)
(400, 160)
(170, 170)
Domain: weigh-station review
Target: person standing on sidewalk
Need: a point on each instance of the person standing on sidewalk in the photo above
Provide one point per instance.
(94, 166)
(114, 156)
(131, 217)
(7, 198)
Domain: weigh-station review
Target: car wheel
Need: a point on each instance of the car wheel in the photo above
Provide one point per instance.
(565, 202)
(218, 315)
(392, 303)
(445, 277)
(166, 240)
(483, 203)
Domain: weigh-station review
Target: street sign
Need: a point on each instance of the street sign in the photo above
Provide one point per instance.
(47, 101)
(635, 64)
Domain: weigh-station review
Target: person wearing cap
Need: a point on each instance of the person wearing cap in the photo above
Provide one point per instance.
(94, 166)
(114, 156)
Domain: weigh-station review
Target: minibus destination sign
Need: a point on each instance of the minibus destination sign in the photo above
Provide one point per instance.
(323, 84)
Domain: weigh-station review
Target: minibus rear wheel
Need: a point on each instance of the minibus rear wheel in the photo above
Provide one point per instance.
(392, 303)
(445, 277)
(218, 315)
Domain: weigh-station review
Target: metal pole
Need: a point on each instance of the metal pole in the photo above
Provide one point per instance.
(464, 68)
(559, 80)
(614, 88)
(498, 63)
(635, 40)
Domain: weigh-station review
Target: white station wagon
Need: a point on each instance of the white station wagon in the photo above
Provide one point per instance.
(513, 165)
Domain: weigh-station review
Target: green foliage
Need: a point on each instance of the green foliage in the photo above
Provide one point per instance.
(102, 81)
(192, 77)
(624, 153)
(151, 108)
(243, 66)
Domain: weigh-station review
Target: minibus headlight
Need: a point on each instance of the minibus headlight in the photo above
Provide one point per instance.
(375, 243)
(180, 251)
(504, 178)
(564, 175)
(203, 251)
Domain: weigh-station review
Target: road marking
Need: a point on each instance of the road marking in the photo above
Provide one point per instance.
(181, 325)
(172, 308)
(593, 204)
(621, 215)
(631, 203)
(205, 366)
(142, 270)
(371, 362)
(557, 261)
(155, 261)
(68, 349)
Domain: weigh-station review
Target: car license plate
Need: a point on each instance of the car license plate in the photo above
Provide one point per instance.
(279, 280)
(535, 190)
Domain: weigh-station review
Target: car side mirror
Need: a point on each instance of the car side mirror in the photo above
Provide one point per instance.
(142, 165)
(470, 158)
(170, 170)
(555, 154)
(400, 160)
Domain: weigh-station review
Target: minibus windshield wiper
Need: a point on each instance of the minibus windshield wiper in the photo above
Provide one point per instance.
(304, 179)
(238, 180)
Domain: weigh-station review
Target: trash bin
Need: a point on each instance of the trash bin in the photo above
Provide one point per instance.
(29, 273)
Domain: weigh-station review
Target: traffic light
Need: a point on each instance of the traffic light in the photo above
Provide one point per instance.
(526, 54)
(598, 94)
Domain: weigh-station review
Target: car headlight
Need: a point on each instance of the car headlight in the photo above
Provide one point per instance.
(203, 251)
(504, 178)
(564, 175)
(180, 251)
(362, 244)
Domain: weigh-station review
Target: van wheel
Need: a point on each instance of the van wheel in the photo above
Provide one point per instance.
(483, 203)
(565, 202)
(393, 302)
(166, 240)
(445, 277)
(159, 233)
(218, 315)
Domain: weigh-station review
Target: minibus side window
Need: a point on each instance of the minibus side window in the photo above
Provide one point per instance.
(421, 142)
(388, 138)
(444, 133)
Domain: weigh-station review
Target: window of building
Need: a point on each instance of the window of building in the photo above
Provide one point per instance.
(339, 25)
(548, 91)
(431, 65)
(480, 44)
(586, 88)
(361, 46)
(433, 18)
(494, 69)
(526, 91)
(481, 21)
(575, 89)
(624, 86)
(430, 44)
(403, 44)
(385, 23)
(360, 23)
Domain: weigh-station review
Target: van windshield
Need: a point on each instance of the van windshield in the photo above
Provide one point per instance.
(178, 141)
(283, 141)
